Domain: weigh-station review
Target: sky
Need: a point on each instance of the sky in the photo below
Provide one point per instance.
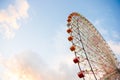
(33, 33)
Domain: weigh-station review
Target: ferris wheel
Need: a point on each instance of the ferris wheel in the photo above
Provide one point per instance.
(94, 58)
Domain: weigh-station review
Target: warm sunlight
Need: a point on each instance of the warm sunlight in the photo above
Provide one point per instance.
(16, 70)
(20, 76)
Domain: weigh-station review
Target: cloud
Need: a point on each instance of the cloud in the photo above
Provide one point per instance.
(23, 66)
(10, 18)
(65, 68)
(59, 66)
(115, 46)
(30, 66)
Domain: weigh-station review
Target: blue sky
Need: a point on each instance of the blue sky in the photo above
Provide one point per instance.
(41, 28)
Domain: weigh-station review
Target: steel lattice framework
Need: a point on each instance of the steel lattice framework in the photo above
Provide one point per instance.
(94, 57)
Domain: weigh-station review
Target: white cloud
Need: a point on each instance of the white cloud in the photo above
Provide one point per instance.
(30, 65)
(60, 66)
(115, 46)
(10, 17)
